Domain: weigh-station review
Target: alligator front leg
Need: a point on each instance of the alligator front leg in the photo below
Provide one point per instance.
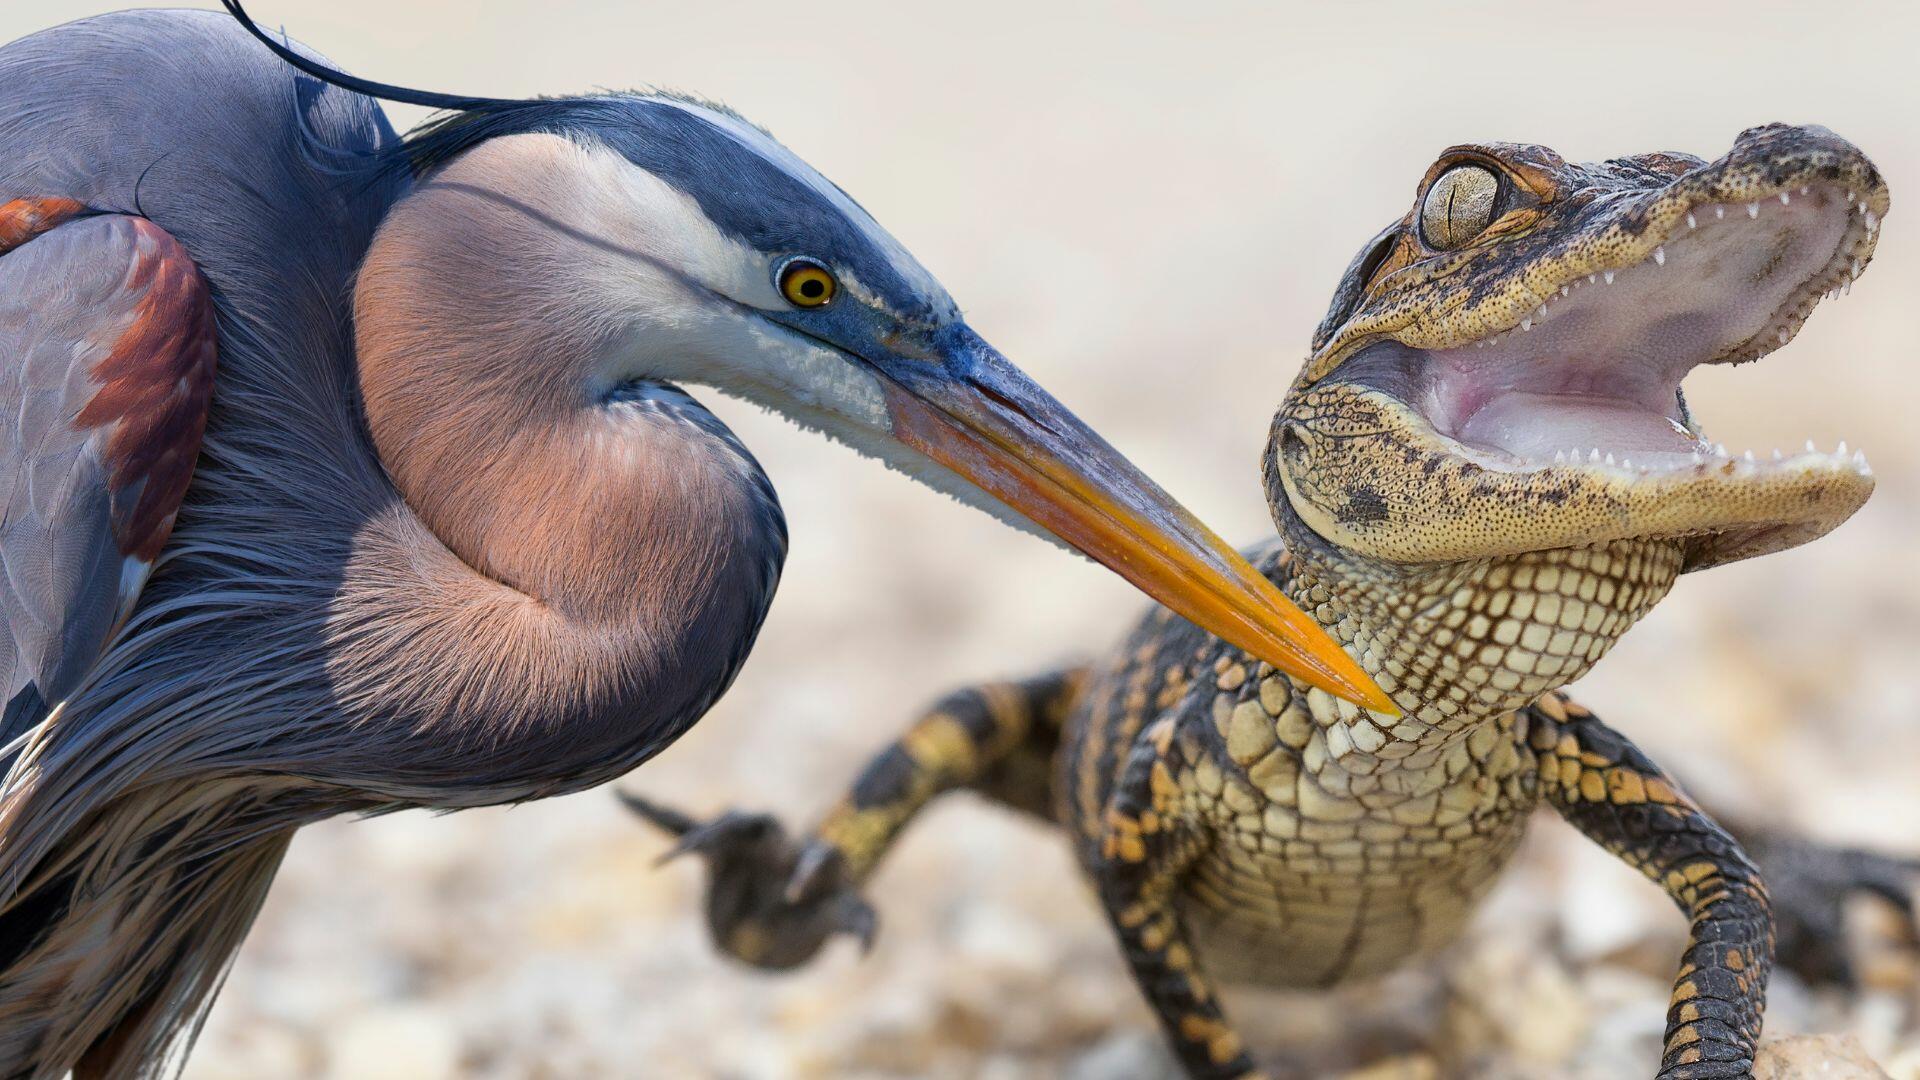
(774, 899)
(1145, 849)
(1620, 799)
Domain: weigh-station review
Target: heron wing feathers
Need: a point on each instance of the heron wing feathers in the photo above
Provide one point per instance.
(106, 371)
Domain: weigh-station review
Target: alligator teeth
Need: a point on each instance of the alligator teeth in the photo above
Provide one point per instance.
(1753, 209)
(1785, 199)
(1807, 190)
(1719, 449)
(1842, 451)
(1810, 448)
(1608, 274)
(1594, 455)
(1660, 256)
(1691, 223)
(1849, 198)
(1871, 221)
(1609, 459)
(1592, 278)
(1719, 212)
(1565, 292)
(1783, 337)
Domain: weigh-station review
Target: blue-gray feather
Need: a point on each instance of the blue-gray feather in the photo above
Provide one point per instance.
(62, 298)
(182, 119)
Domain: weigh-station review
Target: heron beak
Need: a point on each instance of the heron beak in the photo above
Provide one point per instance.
(979, 416)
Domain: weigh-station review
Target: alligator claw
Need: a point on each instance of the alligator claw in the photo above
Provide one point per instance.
(1810, 884)
(812, 872)
(772, 901)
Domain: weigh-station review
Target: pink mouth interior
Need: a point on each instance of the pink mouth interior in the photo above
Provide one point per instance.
(1600, 368)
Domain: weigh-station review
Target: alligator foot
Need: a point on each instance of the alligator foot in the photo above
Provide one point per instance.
(772, 900)
(1810, 884)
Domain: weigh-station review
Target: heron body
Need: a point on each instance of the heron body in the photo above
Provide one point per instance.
(351, 474)
(177, 116)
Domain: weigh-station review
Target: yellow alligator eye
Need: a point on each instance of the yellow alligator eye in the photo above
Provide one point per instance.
(1458, 207)
(806, 283)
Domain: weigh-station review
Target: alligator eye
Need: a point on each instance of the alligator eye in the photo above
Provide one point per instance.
(1458, 207)
(806, 283)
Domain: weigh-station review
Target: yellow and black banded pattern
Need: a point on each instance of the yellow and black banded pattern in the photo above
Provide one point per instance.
(1243, 829)
(998, 737)
(1610, 791)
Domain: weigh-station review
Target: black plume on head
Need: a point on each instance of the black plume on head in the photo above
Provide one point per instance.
(385, 91)
(684, 141)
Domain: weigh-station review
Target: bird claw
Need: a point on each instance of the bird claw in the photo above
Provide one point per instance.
(1810, 884)
(772, 900)
(730, 831)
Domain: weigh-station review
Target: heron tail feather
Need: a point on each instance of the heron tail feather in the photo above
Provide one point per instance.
(114, 949)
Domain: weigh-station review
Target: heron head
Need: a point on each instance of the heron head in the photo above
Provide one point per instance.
(697, 249)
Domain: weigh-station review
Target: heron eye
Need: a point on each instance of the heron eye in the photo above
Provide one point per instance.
(1458, 207)
(806, 283)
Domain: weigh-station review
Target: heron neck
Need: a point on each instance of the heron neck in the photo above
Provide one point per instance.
(603, 559)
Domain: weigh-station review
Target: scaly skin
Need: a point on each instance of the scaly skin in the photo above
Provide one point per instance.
(1240, 827)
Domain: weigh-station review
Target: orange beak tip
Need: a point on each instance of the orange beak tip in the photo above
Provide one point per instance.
(1332, 670)
(1377, 700)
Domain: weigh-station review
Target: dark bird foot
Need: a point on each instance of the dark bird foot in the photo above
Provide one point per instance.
(772, 901)
(1811, 885)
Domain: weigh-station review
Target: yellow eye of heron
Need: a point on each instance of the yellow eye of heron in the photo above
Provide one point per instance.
(806, 283)
(1458, 207)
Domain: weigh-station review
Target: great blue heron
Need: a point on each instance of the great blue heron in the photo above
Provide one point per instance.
(455, 536)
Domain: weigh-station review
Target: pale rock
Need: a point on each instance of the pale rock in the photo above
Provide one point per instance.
(395, 1042)
(1124, 1055)
(1815, 1057)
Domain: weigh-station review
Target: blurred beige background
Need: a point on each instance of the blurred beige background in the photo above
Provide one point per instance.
(1146, 206)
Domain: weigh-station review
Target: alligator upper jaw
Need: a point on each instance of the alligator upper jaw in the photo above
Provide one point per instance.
(1594, 373)
(1585, 390)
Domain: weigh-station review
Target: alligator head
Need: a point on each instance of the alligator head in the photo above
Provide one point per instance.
(1500, 371)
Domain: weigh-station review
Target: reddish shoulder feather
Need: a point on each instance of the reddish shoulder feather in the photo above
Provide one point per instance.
(155, 385)
(23, 219)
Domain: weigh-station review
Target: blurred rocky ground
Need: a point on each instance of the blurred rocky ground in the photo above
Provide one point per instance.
(1146, 205)
(543, 942)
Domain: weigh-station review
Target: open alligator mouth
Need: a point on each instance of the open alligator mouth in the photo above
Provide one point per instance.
(1558, 386)
(1591, 377)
